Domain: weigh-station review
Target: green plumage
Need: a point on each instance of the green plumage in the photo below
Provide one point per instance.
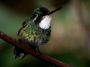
(28, 33)
(32, 33)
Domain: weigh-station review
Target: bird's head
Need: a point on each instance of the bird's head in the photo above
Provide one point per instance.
(39, 13)
(41, 17)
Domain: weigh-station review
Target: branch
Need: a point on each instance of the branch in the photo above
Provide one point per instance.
(27, 50)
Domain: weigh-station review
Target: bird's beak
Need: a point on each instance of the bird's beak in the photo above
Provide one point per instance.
(54, 11)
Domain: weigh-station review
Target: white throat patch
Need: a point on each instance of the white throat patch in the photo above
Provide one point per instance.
(45, 22)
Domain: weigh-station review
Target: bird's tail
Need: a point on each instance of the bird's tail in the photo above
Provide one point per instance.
(18, 53)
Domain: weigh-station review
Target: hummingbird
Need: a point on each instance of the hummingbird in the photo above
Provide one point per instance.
(35, 31)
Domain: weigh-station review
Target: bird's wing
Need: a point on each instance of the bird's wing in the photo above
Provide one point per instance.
(27, 31)
(24, 25)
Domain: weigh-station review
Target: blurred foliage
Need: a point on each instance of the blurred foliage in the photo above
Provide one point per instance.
(67, 38)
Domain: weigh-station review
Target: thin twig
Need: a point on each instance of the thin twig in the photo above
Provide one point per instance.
(30, 51)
